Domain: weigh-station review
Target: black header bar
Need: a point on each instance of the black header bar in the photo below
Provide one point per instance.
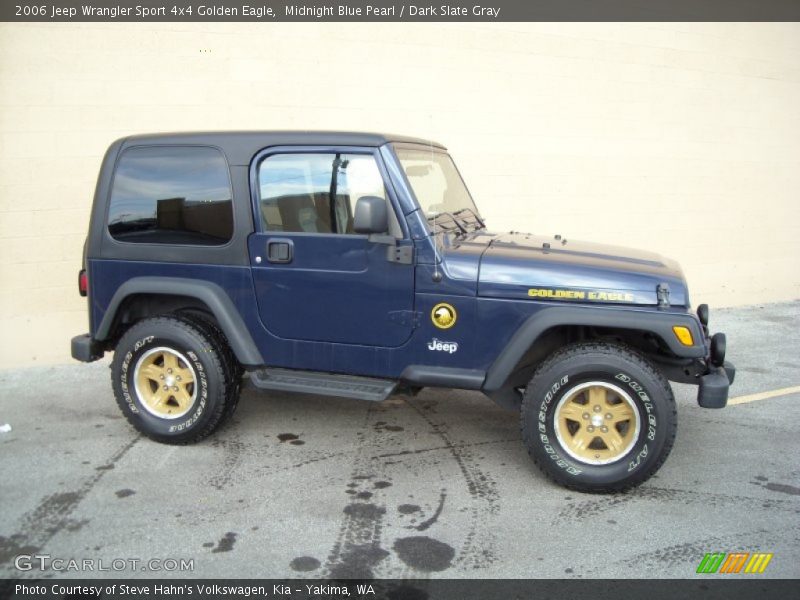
(147, 11)
(739, 587)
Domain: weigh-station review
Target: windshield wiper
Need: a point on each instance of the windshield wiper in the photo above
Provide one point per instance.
(475, 216)
(433, 218)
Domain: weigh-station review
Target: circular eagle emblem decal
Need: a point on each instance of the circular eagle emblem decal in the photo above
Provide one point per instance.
(443, 315)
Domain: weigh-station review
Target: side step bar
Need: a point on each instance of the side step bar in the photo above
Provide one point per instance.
(325, 384)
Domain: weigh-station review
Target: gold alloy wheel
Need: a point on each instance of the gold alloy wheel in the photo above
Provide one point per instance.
(165, 383)
(597, 423)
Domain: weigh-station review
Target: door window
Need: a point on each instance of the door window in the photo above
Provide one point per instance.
(315, 192)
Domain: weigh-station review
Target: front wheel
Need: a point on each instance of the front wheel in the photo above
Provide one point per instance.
(598, 417)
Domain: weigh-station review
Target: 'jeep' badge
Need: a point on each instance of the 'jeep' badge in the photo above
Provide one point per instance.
(443, 315)
(440, 346)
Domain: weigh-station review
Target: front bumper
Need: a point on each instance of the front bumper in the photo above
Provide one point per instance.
(710, 372)
(85, 349)
(714, 386)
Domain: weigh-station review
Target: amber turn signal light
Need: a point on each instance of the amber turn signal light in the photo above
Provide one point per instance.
(683, 334)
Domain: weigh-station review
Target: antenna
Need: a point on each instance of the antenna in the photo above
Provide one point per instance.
(437, 276)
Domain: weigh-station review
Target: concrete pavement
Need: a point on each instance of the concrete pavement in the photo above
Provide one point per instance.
(433, 486)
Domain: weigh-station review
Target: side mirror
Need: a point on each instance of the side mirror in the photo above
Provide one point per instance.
(371, 215)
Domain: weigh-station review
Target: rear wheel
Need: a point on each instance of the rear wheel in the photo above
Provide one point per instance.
(171, 380)
(233, 369)
(598, 418)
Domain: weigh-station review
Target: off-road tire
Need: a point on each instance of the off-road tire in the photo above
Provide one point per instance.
(201, 353)
(233, 369)
(595, 364)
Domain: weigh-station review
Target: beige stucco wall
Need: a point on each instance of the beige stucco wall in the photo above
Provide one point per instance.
(681, 138)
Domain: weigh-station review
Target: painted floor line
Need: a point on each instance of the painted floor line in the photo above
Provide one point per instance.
(764, 395)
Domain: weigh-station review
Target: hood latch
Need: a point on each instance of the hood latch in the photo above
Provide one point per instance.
(662, 294)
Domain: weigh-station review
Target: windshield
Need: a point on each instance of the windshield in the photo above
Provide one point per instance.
(438, 186)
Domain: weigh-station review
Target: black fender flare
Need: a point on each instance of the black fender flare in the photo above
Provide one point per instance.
(210, 294)
(658, 322)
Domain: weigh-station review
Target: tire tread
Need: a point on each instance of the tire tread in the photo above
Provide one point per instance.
(233, 370)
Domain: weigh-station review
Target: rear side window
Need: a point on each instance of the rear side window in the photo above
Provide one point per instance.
(171, 195)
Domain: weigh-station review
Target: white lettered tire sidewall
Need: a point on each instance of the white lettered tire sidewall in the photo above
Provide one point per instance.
(188, 341)
(617, 367)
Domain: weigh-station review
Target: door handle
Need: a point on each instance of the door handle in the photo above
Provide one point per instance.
(280, 250)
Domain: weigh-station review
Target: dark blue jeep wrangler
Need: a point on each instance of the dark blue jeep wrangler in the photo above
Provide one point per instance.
(357, 265)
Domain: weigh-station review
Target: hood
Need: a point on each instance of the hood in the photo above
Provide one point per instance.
(519, 265)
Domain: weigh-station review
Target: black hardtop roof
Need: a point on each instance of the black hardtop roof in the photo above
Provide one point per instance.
(240, 146)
